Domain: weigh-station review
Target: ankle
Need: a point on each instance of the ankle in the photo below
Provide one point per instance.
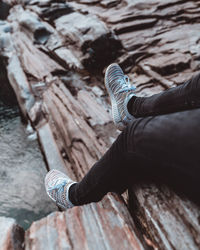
(70, 194)
(130, 104)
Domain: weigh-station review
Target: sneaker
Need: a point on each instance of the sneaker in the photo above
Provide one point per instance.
(57, 187)
(120, 91)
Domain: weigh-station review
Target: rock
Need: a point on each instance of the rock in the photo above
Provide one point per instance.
(134, 25)
(51, 151)
(19, 83)
(89, 1)
(5, 27)
(100, 52)
(89, 34)
(4, 10)
(70, 127)
(166, 64)
(95, 226)
(68, 59)
(169, 221)
(110, 4)
(6, 47)
(31, 24)
(181, 77)
(34, 62)
(78, 28)
(55, 10)
(6, 44)
(11, 235)
(157, 77)
(92, 109)
(145, 86)
(97, 91)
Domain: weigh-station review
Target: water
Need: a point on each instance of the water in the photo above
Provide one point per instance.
(22, 172)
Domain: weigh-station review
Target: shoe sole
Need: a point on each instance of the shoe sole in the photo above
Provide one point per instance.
(115, 112)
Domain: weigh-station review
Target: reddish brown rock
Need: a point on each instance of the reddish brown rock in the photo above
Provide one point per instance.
(95, 226)
(169, 221)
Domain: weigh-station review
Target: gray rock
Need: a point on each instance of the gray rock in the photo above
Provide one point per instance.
(78, 28)
(98, 45)
(4, 10)
(55, 10)
(40, 31)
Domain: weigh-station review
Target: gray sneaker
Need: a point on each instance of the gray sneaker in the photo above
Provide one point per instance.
(57, 187)
(120, 91)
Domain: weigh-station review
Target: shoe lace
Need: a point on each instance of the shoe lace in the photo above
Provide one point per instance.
(59, 187)
(125, 85)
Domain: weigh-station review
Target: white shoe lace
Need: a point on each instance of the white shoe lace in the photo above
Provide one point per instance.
(125, 85)
(59, 187)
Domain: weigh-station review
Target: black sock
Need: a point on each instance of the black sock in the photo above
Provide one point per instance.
(130, 104)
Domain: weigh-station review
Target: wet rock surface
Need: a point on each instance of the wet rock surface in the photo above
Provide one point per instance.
(55, 66)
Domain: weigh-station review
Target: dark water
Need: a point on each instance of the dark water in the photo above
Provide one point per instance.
(22, 172)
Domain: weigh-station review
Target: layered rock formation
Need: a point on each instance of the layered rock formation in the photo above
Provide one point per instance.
(54, 53)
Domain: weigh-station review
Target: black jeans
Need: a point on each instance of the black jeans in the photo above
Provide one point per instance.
(161, 144)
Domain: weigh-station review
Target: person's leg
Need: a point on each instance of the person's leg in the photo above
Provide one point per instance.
(162, 148)
(182, 97)
(110, 173)
(127, 106)
(123, 162)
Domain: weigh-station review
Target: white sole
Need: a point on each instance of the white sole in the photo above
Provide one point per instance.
(115, 111)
